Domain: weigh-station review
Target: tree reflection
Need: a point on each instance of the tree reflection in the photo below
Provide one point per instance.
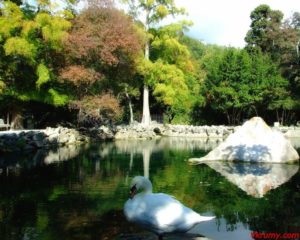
(82, 198)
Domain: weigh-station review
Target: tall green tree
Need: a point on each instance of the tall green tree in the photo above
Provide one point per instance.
(150, 12)
(175, 81)
(265, 31)
(239, 84)
(280, 40)
(270, 34)
(290, 54)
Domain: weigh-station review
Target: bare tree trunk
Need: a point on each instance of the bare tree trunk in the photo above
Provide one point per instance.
(146, 119)
(288, 117)
(17, 120)
(130, 107)
(234, 116)
(80, 117)
(282, 117)
(228, 118)
(130, 111)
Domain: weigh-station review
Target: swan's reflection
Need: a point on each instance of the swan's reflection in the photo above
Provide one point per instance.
(255, 179)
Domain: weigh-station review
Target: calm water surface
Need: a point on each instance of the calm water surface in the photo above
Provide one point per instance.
(77, 193)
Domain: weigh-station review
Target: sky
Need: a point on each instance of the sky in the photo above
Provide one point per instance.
(226, 22)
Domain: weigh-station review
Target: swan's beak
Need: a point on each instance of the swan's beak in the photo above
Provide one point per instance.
(133, 191)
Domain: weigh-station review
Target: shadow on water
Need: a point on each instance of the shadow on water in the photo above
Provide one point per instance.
(78, 192)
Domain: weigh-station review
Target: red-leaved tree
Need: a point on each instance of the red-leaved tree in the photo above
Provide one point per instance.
(100, 52)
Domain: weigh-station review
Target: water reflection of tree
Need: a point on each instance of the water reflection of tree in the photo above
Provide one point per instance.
(61, 202)
(83, 198)
(148, 149)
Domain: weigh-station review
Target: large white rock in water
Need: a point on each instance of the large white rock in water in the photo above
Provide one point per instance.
(254, 141)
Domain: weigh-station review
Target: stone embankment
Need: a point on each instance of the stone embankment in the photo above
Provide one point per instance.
(197, 131)
(32, 139)
(167, 130)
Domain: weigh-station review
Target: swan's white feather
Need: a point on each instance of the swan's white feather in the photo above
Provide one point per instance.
(160, 213)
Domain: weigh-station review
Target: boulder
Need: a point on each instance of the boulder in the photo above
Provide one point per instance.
(254, 141)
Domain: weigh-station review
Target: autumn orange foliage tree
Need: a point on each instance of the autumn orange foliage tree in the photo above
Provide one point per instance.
(100, 53)
(104, 108)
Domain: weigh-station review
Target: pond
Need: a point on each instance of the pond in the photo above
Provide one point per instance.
(78, 192)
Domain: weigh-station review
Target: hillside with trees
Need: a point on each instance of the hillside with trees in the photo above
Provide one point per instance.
(102, 65)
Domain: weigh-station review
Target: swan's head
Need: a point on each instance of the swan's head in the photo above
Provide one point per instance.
(140, 183)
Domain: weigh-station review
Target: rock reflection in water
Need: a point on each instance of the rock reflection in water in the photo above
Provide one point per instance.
(255, 179)
(83, 198)
(12, 161)
(62, 154)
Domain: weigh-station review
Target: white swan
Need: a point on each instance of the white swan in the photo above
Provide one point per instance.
(158, 212)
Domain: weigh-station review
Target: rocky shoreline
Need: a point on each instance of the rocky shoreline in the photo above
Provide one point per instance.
(22, 140)
(45, 138)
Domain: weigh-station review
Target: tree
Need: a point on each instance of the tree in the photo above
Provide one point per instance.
(264, 29)
(280, 40)
(174, 78)
(152, 11)
(169, 87)
(240, 84)
(30, 45)
(100, 50)
(290, 56)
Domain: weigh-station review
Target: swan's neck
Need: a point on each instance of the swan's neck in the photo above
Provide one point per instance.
(147, 186)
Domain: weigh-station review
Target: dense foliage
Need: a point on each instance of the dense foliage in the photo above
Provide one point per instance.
(240, 85)
(31, 49)
(100, 54)
(95, 65)
(281, 41)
